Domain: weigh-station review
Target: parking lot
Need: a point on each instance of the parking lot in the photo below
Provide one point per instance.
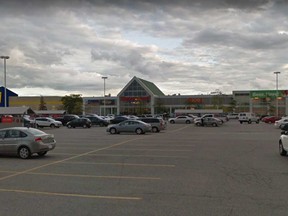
(185, 170)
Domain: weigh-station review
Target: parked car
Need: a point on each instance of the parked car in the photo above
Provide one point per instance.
(181, 119)
(97, 120)
(134, 126)
(28, 121)
(283, 141)
(283, 126)
(232, 116)
(47, 122)
(262, 116)
(118, 119)
(208, 121)
(281, 122)
(220, 116)
(79, 122)
(66, 118)
(248, 117)
(270, 119)
(157, 124)
(24, 142)
(192, 116)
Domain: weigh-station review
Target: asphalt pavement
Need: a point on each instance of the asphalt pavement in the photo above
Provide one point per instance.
(234, 169)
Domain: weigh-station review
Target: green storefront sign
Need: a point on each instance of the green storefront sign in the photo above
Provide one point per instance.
(266, 94)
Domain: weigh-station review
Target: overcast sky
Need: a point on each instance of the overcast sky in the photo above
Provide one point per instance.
(187, 47)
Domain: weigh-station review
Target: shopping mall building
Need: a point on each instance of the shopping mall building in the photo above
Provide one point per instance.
(140, 96)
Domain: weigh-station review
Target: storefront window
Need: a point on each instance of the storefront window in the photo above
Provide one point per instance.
(135, 100)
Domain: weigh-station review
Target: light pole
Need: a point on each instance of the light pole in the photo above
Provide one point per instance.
(277, 73)
(104, 78)
(5, 91)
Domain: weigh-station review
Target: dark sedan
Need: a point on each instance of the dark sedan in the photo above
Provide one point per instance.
(79, 122)
(118, 119)
(97, 120)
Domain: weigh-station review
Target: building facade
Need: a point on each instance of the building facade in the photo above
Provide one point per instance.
(144, 97)
(262, 101)
(51, 102)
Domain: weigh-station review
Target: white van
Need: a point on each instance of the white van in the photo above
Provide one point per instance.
(248, 117)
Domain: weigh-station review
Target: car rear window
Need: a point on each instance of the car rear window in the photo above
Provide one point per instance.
(35, 131)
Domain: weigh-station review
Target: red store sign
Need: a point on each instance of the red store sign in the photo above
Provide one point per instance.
(147, 98)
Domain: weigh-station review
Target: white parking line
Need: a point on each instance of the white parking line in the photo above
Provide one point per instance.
(123, 155)
(70, 195)
(87, 176)
(169, 150)
(155, 156)
(123, 164)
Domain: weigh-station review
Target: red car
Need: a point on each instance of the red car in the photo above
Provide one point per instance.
(270, 119)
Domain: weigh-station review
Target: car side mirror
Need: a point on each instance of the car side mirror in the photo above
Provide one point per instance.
(283, 132)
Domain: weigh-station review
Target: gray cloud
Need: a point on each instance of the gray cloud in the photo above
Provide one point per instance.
(246, 41)
(66, 47)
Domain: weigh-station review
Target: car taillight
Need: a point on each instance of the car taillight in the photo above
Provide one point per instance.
(38, 139)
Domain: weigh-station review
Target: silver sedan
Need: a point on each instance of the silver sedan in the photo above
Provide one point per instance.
(24, 142)
(134, 126)
(181, 119)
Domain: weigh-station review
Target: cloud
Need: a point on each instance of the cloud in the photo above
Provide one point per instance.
(183, 46)
(241, 40)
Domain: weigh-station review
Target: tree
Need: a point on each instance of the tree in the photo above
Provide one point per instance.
(73, 104)
(42, 105)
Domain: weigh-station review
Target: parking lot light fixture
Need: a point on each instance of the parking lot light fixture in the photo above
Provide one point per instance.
(277, 73)
(5, 90)
(104, 78)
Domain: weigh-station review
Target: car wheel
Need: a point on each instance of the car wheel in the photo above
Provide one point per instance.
(24, 152)
(52, 126)
(214, 124)
(113, 131)
(139, 131)
(42, 153)
(69, 126)
(188, 122)
(84, 126)
(155, 130)
(198, 123)
(249, 122)
(172, 122)
(281, 149)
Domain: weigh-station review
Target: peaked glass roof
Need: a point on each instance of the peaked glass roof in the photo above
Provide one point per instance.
(152, 87)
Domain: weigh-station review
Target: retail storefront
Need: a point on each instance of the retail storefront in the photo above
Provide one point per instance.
(262, 101)
(143, 97)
